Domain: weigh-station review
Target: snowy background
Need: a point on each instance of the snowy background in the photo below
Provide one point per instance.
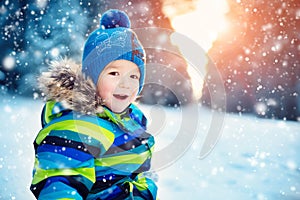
(254, 158)
(254, 45)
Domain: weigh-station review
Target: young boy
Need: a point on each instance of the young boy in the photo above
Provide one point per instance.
(93, 144)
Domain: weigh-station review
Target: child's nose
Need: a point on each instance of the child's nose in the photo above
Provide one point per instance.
(124, 82)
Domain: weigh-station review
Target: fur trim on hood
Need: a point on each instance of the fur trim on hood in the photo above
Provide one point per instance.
(65, 83)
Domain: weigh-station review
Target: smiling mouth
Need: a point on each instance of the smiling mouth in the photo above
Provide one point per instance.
(120, 96)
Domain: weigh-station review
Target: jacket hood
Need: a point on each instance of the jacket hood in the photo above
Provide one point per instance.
(65, 83)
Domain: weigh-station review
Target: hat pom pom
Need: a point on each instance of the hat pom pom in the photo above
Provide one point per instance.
(114, 18)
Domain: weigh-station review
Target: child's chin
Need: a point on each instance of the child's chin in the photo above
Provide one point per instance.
(119, 109)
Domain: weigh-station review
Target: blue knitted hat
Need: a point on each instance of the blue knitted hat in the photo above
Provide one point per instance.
(114, 40)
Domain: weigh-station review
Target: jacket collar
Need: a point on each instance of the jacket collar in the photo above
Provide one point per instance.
(65, 83)
(131, 120)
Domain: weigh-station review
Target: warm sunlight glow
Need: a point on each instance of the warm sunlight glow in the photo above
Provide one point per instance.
(202, 24)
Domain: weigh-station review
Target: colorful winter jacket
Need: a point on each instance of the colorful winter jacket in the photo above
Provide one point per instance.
(85, 151)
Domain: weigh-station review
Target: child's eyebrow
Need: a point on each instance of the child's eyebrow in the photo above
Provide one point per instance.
(112, 68)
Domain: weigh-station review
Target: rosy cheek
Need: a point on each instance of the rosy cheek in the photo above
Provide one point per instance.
(134, 94)
(105, 92)
(103, 89)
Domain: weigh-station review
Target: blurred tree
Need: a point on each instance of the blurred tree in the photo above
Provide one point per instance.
(39, 32)
(258, 58)
(13, 26)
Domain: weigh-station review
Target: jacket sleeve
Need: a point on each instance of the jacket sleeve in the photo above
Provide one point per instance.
(64, 162)
(142, 186)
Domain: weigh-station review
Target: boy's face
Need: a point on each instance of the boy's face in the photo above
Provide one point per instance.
(118, 84)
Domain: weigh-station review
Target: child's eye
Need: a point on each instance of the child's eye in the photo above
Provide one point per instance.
(114, 73)
(134, 77)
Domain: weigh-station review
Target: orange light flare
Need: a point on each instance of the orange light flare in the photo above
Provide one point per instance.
(202, 21)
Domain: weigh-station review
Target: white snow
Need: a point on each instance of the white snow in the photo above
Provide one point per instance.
(253, 159)
(41, 4)
(9, 63)
(55, 52)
